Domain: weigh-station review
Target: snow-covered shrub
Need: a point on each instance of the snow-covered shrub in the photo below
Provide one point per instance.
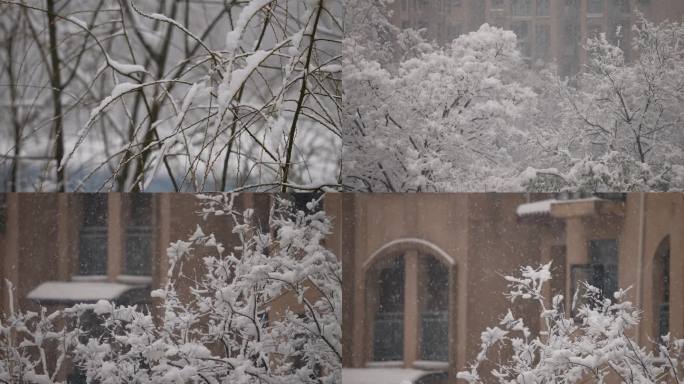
(266, 311)
(594, 343)
(28, 339)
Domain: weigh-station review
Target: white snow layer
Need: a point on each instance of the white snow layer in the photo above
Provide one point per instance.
(380, 375)
(535, 208)
(78, 291)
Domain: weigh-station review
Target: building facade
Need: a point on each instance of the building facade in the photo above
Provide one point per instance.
(547, 30)
(55, 246)
(423, 273)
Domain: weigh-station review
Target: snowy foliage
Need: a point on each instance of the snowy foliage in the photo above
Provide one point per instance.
(593, 346)
(473, 116)
(621, 123)
(27, 339)
(222, 323)
(155, 95)
(440, 119)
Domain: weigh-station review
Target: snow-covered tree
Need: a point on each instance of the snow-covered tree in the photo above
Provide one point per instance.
(220, 316)
(442, 120)
(473, 116)
(188, 96)
(620, 126)
(588, 344)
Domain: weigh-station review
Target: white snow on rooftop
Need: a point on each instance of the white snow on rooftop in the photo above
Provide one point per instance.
(380, 375)
(535, 208)
(78, 291)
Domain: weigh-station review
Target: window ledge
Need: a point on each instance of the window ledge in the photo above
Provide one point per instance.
(430, 365)
(134, 279)
(89, 278)
(384, 364)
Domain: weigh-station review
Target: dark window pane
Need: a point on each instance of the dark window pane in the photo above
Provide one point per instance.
(542, 7)
(391, 287)
(139, 209)
(521, 7)
(138, 251)
(388, 327)
(603, 255)
(138, 242)
(434, 343)
(542, 41)
(92, 252)
(94, 209)
(595, 7)
(661, 286)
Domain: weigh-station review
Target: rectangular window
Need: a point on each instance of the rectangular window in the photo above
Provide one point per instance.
(601, 272)
(571, 9)
(497, 5)
(543, 8)
(522, 31)
(542, 41)
(92, 250)
(521, 8)
(595, 7)
(558, 270)
(625, 7)
(139, 241)
(603, 256)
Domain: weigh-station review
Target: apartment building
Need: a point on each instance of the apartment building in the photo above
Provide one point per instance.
(547, 30)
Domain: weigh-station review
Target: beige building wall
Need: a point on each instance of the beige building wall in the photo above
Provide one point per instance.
(480, 237)
(40, 241)
(477, 237)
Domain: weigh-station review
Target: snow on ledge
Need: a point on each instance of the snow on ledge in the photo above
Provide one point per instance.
(78, 291)
(542, 207)
(380, 375)
(430, 365)
(385, 364)
(134, 279)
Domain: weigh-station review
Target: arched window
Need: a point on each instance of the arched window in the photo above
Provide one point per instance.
(661, 287)
(388, 325)
(409, 303)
